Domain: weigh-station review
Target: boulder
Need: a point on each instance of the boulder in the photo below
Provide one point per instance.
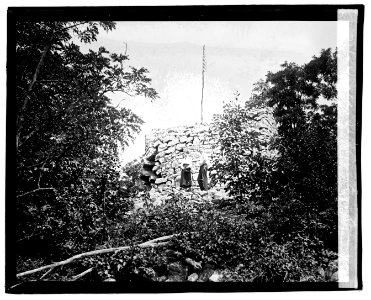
(193, 277)
(206, 273)
(321, 272)
(177, 272)
(161, 278)
(334, 277)
(216, 277)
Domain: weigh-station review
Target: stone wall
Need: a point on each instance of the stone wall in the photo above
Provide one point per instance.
(166, 148)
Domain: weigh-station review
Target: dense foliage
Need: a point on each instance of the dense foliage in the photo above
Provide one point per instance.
(68, 136)
(222, 239)
(131, 182)
(289, 178)
(236, 244)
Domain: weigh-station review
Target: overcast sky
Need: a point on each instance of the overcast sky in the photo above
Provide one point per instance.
(238, 54)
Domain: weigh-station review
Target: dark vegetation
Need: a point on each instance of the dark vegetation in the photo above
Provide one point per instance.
(280, 225)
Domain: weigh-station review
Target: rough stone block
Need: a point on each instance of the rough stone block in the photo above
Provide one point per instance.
(160, 180)
(159, 155)
(167, 138)
(156, 143)
(162, 147)
(173, 142)
(216, 277)
(170, 150)
(193, 277)
(183, 139)
(196, 141)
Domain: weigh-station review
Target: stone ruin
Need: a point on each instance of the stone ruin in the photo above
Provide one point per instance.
(166, 148)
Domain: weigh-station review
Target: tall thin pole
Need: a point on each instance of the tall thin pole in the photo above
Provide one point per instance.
(203, 82)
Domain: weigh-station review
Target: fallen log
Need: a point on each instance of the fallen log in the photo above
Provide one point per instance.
(78, 276)
(151, 243)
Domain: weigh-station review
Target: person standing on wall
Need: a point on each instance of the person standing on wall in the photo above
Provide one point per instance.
(186, 173)
(202, 176)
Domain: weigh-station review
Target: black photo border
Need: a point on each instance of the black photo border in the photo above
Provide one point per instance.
(164, 13)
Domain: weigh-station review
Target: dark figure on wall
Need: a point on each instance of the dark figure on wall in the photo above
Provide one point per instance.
(186, 176)
(202, 176)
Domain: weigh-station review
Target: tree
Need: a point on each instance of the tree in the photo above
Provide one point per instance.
(304, 105)
(296, 184)
(68, 133)
(245, 139)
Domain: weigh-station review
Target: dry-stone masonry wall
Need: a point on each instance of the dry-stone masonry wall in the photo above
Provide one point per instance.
(166, 148)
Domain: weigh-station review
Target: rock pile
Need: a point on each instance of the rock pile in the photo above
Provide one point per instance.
(181, 269)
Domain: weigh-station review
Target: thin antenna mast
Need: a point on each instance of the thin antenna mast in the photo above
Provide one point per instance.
(203, 82)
